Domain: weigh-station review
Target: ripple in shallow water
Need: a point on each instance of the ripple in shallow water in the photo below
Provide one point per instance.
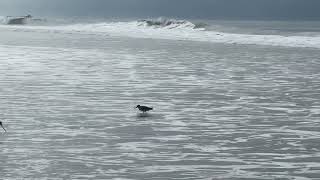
(222, 112)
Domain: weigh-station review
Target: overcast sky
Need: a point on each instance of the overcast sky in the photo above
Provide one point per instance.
(209, 9)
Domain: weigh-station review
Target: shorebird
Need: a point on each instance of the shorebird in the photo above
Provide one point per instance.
(2, 126)
(144, 108)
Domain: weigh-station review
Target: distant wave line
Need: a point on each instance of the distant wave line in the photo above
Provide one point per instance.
(174, 30)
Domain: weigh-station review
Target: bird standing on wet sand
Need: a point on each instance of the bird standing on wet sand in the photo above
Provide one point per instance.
(144, 108)
(2, 126)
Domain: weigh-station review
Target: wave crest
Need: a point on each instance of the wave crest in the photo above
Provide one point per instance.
(170, 24)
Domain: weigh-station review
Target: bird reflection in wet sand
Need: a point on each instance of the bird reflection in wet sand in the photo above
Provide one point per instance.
(2, 126)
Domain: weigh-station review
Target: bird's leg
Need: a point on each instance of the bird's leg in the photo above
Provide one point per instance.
(3, 128)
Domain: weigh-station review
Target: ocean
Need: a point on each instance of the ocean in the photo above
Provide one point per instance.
(231, 99)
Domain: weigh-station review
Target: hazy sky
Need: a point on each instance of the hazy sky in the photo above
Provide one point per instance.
(210, 9)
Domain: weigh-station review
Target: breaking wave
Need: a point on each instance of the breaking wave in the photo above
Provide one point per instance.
(170, 24)
(30, 21)
(171, 29)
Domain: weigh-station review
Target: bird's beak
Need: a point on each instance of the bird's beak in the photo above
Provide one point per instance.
(4, 128)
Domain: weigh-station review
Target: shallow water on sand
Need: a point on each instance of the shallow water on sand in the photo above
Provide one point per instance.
(220, 111)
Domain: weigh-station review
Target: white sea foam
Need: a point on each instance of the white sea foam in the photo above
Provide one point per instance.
(175, 30)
